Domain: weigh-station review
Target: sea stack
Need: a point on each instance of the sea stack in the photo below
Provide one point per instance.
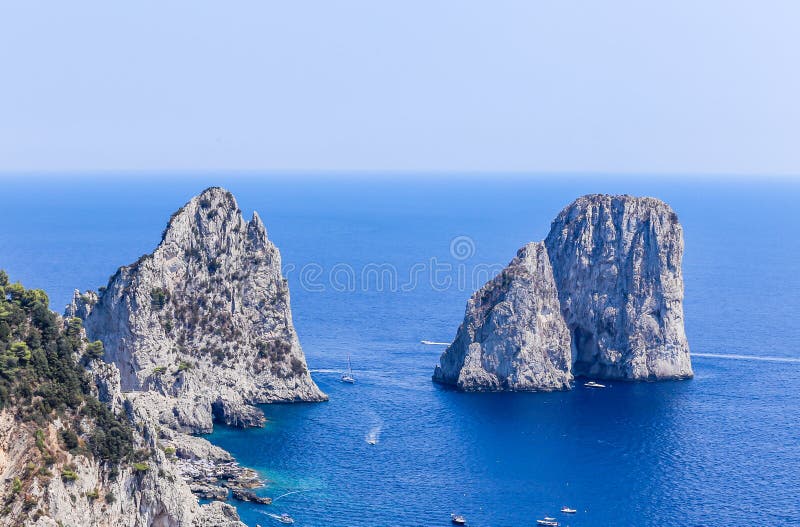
(613, 287)
(513, 336)
(617, 265)
(204, 320)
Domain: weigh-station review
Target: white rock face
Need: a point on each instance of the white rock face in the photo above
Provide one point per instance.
(617, 265)
(81, 304)
(204, 321)
(513, 336)
(601, 297)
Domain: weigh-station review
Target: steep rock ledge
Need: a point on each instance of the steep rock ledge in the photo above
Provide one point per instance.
(72, 449)
(617, 265)
(203, 321)
(513, 336)
(131, 498)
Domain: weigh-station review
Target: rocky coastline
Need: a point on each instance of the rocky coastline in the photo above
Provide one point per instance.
(201, 332)
(196, 333)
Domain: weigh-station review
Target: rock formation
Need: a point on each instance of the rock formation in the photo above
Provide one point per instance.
(513, 336)
(204, 320)
(601, 297)
(74, 486)
(74, 450)
(200, 330)
(617, 265)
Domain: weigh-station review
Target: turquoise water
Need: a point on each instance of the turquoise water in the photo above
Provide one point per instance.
(723, 448)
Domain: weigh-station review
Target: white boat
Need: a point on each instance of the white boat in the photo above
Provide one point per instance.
(348, 375)
(592, 384)
(458, 519)
(285, 518)
(567, 510)
(548, 522)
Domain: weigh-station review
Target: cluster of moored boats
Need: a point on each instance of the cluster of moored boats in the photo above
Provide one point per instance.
(547, 521)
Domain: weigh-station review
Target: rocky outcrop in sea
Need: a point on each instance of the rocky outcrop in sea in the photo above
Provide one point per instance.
(204, 321)
(513, 336)
(601, 297)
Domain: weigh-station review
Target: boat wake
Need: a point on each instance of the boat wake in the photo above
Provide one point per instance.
(374, 435)
(433, 343)
(288, 494)
(747, 357)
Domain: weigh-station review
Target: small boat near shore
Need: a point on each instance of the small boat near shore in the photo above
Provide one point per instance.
(458, 519)
(592, 384)
(283, 518)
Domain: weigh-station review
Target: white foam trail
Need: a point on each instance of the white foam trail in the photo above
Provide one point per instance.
(433, 343)
(325, 371)
(747, 357)
(288, 494)
(374, 434)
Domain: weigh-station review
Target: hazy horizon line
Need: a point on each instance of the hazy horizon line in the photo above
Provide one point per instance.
(442, 173)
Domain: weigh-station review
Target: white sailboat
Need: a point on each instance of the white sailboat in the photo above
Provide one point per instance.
(348, 375)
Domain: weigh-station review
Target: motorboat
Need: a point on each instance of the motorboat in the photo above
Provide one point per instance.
(285, 518)
(567, 510)
(548, 522)
(458, 519)
(592, 384)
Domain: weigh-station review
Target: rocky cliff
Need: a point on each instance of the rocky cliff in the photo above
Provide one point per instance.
(513, 336)
(602, 297)
(51, 485)
(204, 320)
(73, 449)
(617, 266)
(75, 489)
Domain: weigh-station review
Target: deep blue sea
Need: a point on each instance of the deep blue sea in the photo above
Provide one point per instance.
(377, 264)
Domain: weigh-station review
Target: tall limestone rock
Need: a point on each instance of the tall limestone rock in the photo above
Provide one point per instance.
(203, 321)
(602, 297)
(513, 336)
(617, 265)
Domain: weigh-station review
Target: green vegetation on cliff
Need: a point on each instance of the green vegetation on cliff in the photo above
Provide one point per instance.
(41, 377)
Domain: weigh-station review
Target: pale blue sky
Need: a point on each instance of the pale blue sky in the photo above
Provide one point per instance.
(602, 86)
